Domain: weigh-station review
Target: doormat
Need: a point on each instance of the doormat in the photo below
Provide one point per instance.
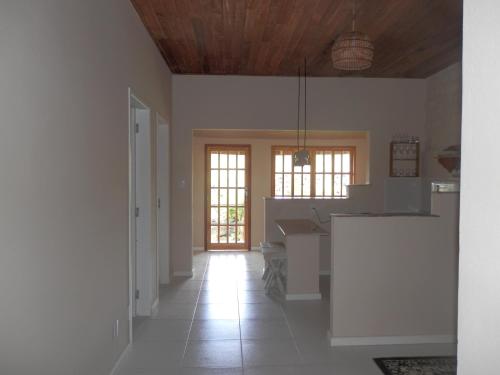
(418, 365)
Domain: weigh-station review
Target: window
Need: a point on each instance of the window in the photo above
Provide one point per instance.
(331, 170)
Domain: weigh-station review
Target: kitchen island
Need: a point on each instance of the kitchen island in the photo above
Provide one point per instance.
(394, 276)
(302, 239)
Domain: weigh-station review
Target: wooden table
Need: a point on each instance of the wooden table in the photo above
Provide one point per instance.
(302, 247)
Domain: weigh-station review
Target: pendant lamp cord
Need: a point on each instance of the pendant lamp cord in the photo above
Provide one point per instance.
(354, 15)
(298, 112)
(305, 101)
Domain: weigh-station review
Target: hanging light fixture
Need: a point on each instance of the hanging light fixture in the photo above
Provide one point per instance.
(302, 157)
(352, 50)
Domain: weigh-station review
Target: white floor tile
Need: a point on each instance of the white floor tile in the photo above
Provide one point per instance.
(265, 329)
(213, 353)
(252, 296)
(317, 350)
(153, 355)
(310, 370)
(178, 296)
(261, 311)
(175, 311)
(185, 284)
(270, 352)
(217, 311)
(213, 329)
(249, 275)
(210, 371)
(251, 284)
(170, 371)
(275, 370)
(215, 296)
(163, 330)
(308, 328)
(220, 286)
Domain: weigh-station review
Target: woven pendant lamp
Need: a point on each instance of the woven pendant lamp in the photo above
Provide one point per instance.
(352, 50)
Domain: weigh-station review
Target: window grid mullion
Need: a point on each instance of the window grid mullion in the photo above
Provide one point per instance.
(218, 199)
(302, 183)
(340, 153)
(293, 185)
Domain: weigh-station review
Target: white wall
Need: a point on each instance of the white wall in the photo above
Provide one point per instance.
(443, 117)
(479, 284)
(65, 68)
(381, 106)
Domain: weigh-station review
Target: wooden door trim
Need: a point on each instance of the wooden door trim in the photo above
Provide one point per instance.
(248, 211)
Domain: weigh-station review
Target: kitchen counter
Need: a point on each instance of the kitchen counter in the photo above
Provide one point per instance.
(384, 214)
(394, 276)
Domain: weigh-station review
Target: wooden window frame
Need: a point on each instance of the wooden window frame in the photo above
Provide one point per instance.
(334, 149)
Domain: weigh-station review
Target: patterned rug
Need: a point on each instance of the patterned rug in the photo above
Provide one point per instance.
(418, 365)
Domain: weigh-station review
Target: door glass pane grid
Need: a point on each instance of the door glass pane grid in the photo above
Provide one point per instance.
(227, 197)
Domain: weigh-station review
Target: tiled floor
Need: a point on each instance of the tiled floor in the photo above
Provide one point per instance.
(221, 322)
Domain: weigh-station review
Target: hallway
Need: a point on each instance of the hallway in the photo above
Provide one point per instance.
(221, 322)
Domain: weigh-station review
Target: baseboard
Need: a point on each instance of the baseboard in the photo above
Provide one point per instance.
(154, 308)
(114, 370)
(303, 297)
(183, 273)
(198, 249)
(325, 273)
(391, 340)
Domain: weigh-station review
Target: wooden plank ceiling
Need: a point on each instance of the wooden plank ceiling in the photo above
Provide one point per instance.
(412, 38)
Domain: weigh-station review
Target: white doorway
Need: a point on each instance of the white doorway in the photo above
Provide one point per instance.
(163, 201)
(142, 258)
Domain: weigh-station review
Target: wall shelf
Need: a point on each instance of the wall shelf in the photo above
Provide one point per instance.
(404, 159)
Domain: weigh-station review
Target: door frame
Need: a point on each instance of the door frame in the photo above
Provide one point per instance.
(140, 264)
(163, 199)
(248, 211)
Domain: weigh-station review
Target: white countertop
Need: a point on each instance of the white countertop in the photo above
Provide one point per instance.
(383, 214)
(299, 226)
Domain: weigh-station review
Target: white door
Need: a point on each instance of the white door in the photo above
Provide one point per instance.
(132, 205)
(142, 261)
(163, 202)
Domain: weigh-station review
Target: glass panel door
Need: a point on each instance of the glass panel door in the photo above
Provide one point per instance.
(228, 197)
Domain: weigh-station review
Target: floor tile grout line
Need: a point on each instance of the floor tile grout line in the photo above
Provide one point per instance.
(194, 312)
(292, 334)
(239, 325)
